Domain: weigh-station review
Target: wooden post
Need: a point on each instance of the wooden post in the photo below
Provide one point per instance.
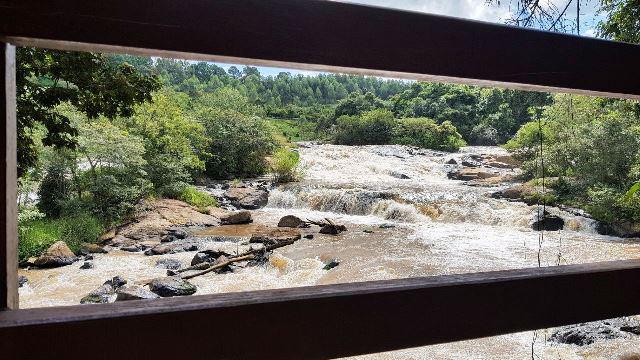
(8, 180)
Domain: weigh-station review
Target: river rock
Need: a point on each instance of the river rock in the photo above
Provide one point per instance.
(134, 247)
(171, 286)
(102, 295)
(291, 221)
(471, 174)
(154, 217)
(88, 248)
(177, 233)
(126, 293)
(247, 198)
(172, 248)
(547, 223)
(332, 229)
(116, 282)
(234, 217)
(105, 293)
(507, 159)
(588, 333)
(209, 256)
(275, 235)
(56, 255)
(107, 236)
(452, 162)
(331, 264)
(399, 175)
(171, 264)
(86, 265)
(22, 280)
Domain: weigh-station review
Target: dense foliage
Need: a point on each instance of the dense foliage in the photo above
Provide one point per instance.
(592, 145)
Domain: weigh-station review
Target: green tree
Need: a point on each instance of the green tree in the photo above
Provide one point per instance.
(622, 20)
(94, 83)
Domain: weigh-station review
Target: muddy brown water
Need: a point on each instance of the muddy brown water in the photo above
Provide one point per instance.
(432, 226)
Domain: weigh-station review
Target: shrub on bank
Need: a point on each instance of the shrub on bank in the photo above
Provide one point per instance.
(36, 235)
(425, 133)
(199, 199)
(378, 127)
(284, 165)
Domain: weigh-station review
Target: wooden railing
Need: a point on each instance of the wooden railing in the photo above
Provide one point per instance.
(322, 321)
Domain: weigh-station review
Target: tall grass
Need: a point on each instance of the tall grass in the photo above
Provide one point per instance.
(35, 236)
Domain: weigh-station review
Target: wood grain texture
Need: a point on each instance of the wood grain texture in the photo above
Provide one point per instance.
(326, 35)
(8, 181)
(329, 321)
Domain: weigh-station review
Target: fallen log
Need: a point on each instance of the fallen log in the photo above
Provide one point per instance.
(249, 255)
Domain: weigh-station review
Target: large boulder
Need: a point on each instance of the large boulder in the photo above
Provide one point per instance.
(171, 286)
(230, 217)
(209, 256)
(88, 248)
(56, 255)
(172, 248)
(275, 235)
(547, 222)
(292, 221)
(155, 217)
(247, 197)
(588, 333)
(106, 293)
(170, 264)
(126, 293)
(102, 295)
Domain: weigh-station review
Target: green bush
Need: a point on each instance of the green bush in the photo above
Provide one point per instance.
(115, 192)
(371, 128)
(239, 143)
(35, 236)
(54, 189)
(199, 199)
(284, 165)
(425, 133)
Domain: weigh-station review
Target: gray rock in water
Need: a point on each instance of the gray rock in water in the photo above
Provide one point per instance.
(171, 286)
(209, 256)
(171, 264)
(168, 238)
(178, 233)
(331, 264)
(88, 248)
(247, 198)
(116, 282)
(126, 293)
(547, 223)
(102, 295)
(291, 221)
(87, 265)
(399, 175)
(56, 255)
(236, 217)
(22, 280)
(452, 162)
(172, 248)
(588, 333)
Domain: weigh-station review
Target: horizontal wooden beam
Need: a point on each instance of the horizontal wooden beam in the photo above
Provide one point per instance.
(331, 36)
(328, 321)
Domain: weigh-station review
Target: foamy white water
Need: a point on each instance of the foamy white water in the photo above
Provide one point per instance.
(431, 225)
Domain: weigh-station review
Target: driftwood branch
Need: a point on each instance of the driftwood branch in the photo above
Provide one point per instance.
(249, 255)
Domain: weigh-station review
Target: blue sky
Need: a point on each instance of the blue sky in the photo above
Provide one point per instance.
(469, 9)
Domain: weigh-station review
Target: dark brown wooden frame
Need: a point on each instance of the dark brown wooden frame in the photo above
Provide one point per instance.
(323, 321)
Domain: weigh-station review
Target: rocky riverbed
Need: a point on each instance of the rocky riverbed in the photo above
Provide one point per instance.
(407, 212)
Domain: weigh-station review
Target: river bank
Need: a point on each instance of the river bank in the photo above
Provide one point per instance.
(404, 216)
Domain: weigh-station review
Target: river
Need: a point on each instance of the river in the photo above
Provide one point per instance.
(405, 218)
